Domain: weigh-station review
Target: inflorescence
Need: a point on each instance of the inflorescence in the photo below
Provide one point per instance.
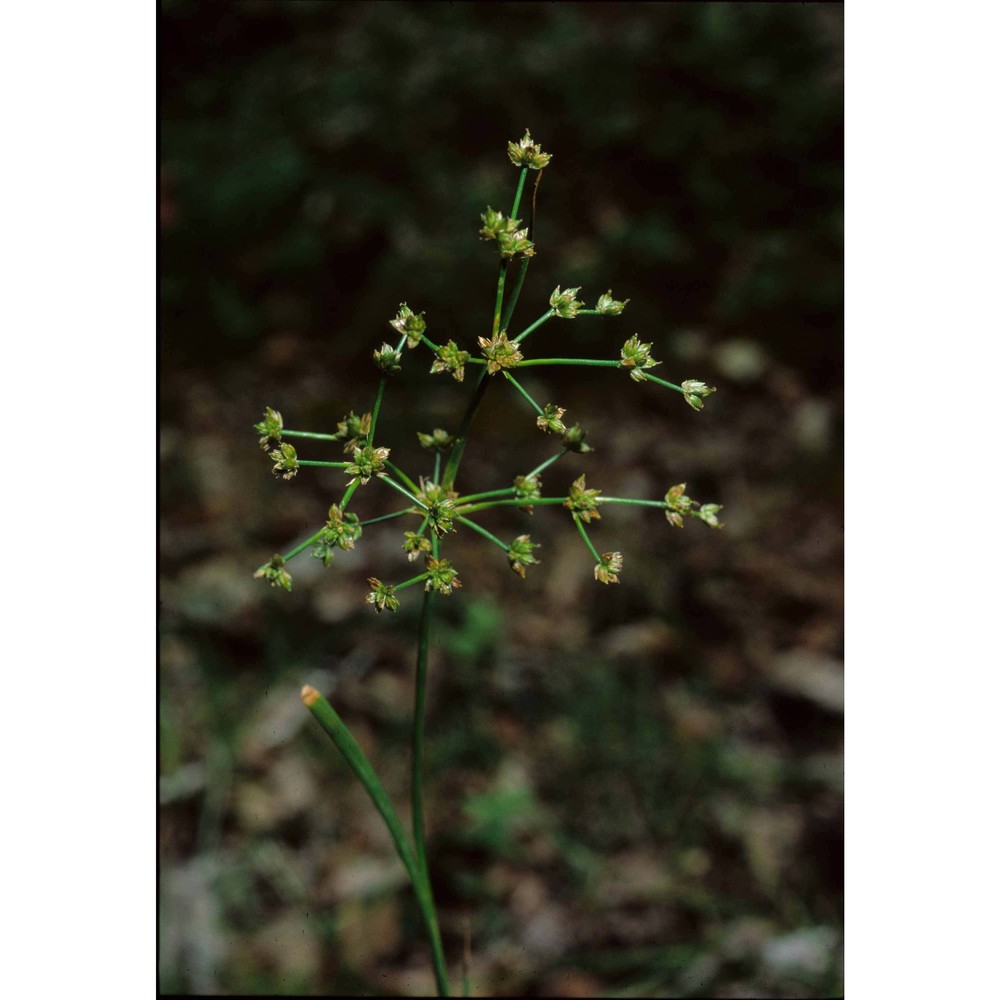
(434, 501)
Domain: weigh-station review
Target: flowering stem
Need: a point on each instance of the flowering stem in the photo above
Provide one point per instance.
(455, 455)
(517, 385)
(660, 381)
(517, 194)
(429, 343)
(520, 502)
(567, 361)
(485, 496)
(437, 466)
(310, 434)
(388, 517)
(334, 727)
(401, 489)
(534, 326)
(632, 502)
(586, 538)
(410, 583)
(499, 305)
(546, 464)
(328, 465)
(348, 493)
(375, 409)
(512, 302)
(482, 531)
(402, 475)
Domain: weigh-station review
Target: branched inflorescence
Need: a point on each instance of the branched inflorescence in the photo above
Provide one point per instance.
(433, 501)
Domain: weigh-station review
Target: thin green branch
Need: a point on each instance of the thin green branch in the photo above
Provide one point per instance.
(382, 477)
(508, 312)
(534, 326)
(411, 582)
(534, 362)
(499, 304)
(437, 466)
(520, 189)
(310, 434)
(661, 381)
(389, 517)
(633, 502)
(520, 502)
(327, 465)
(402, 475)
(547, 463)
(334, 727)
(485, 496)
(517, 385)
(586, 538)
(482, 531)
(375, 409)
(458, 446)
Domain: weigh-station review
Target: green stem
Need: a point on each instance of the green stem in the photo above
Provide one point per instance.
(533, 502)
(482, 531)
(455, 455)
(375, 409)
(546, 464)
(402, 475)
(661, 381)
(517, 194)
(532, 362)
(508, 312)
(437, 466)
(388, 517)
(633, 502)
(499, 304)
(411, 582)
(401, 489)
(334, 727)
(586, 538)
(310, 434)
(348, 493)
(485, 496)
(517, 385)
(534, 326)
(327, 465)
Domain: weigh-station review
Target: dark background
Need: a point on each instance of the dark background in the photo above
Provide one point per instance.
(633, 790)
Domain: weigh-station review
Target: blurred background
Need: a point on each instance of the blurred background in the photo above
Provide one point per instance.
(633, 790)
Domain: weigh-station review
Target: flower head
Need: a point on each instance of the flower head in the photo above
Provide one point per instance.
(527, 488)
(443, 576)
(607, 570)
(680, 506)
(515, 244)
(500, 353)
(583, 502)
(269, 428)
(695, 392)
(382, 596)
(415, 545)
(351, 429)
(528, 153)
(387, 359)
(573, 440)
(368, 462)
(496, 224)
(565, 304)
(341, 532)
(636, 357)
(275, 573)
(437, 440)
(521, 554)
(449, 358)
(607, 306)
(407, 322)
(550, 419)
(285, 461)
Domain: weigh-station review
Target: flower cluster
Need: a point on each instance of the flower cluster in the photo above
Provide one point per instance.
(695, 392)
(407, 323)
(583, 502)
(550, 419)
(636, 357)
(286, 462)
(528, 153)
(438, 440)
(441, 576)
(679, 506)
(500, 352)
(565, 304)
(607, 306)
(573, 440)
(512, 241)
(275, 573)
(342, 530)
(368, 462)
(448, 358)
(415, 545)
(382, 596)
(387, 359)
(607, 570)
(352, 429)
(520, 555)
(269, 428)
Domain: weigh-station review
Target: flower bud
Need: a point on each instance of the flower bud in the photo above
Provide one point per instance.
(387, 359)
(607, 306)
(528, 153)
(500, 352)
(695, 392)
(275, 573)
(636, 357)
(407, 322)
(564, 304)
(550, 419)
(521, 554)
(382, 596)
(583, 502)
(269, 428)
(285, 461)
(437, 440)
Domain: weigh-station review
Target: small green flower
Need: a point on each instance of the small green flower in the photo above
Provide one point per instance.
(496, 224)
(583, 502)
(352, 428)
(607, 306)
(678, 505)
(341, 532)
(414, 545)
(441, 514)
(527, 488)
(607, 570)
(368, 462)
(515, 244)
(707, 512)
(528, 153)
(407, 322)
(450, 359)
(285, 460)
(695, 392)
(430, 492)
(564, 304)
(443, 576)
(275, 573)
(269, 428)
(521, 554)
(550, 419)
(382, 596)
(387, 359)
(437, 440)
(500, 353)
(636, 357)
(573, 440)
